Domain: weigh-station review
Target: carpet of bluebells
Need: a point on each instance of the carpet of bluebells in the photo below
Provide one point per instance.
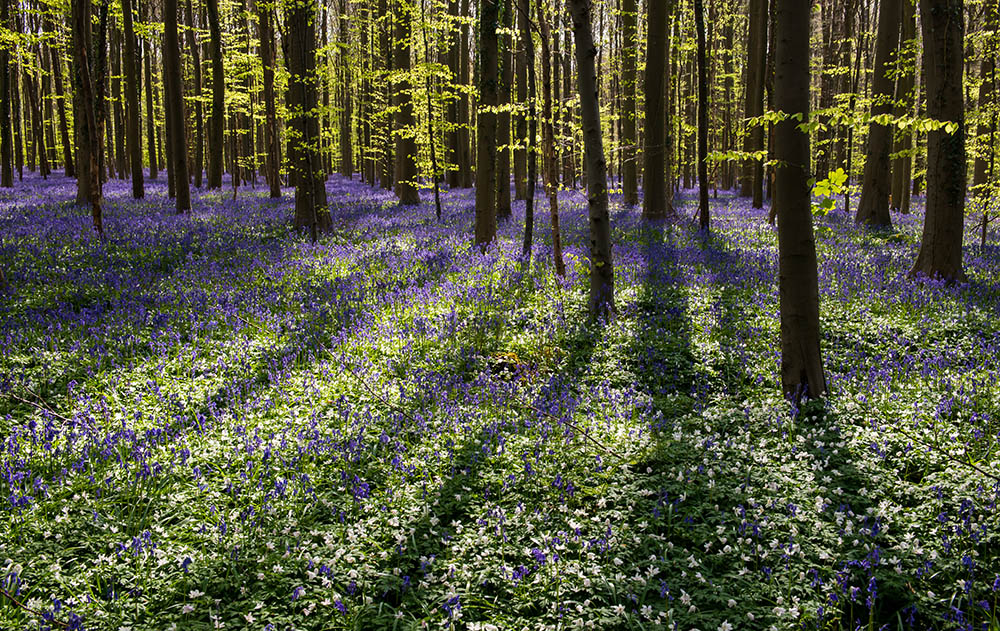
(209, 422)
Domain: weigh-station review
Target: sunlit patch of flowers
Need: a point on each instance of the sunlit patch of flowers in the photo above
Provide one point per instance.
(208, 422)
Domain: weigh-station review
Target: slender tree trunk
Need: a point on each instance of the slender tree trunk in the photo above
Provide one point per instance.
(548, 140)
(630, 166)
(902, 165)
(503, 117)
(464, 106)
(430, 117)
(486, 126)
(6, 148)
(656, 203)
(406, 144)
(133, 137)
(150, 112)
(941, 246)
(454, 121)
(801, 360)
(199, 125)
(346, 146)
(529, 56)
(216, 119)
(521, 62)
(116, 60)
(174, 103)
(272, 159)
(752, 181)
(873, 207)
(57, 81)
(703, 211)
(987, 104)
(602, 295)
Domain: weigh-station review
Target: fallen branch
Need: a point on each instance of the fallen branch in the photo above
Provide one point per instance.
(948, 455)
(20, 604)
(575, 427)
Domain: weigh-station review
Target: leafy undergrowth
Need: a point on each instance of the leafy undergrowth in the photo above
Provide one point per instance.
(207, 421)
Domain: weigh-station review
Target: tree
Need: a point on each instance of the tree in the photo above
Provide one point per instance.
(940, 253)
(486, 123)
(216, 120)
(199, 125)
(656, 199)
(703, 212)
(176, 127)
(549, 88)
(133, 137)
(602, 276)
(873, 207)
(88, 136)
(752, 180)
(902, 166)
(524, 20)
(6, 148)
(503, 116)
(306, 163)
(630, 168)
(272, 155)
(406, 145)
(986, 130)
(801, 360)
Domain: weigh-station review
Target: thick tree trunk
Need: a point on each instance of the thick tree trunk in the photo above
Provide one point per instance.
(902, 165)
(602, 294)
(656, 203)
(133, 139)
(941, 246)
(406, 144)
(486, 125)
(174, 104)
(216, 119)
(630, 166)
(752, 180)
(873, 207)
(801, 360)
(272, 157)
(305, 158)
(703, 211)
(88, 136)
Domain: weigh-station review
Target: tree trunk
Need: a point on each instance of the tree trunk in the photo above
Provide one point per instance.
(346, 145)
(503, 117)
(873, 207)
(703, 211)
(801, 359)
(406, 144)
(116, 60)
(602, 295)
(272, 158)
(486, 125)
(216, 119)
(133, 139)
(987, 104)
(941, 246)
(521, 62)
(902, 165)
(464, 109)
(88, 137)
(752, 180)
(150, 112)
(6, 148)
(529, 56)
(305, 158)
(57, 81)
(656, 203)
(630, 167)
(199, 125)
(548, 141)
(174, 103)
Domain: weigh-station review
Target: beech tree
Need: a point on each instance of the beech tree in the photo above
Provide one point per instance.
(174, 100)
(798, 285)
(133, 137)
(656, 198)
(486, 125)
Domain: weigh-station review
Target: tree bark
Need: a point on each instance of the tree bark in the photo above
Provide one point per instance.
(174, 103)
(752, 180)
(346, 144)
(464, 109)
(6, 145)
(199, 125)
(272, 158)
(133, 139)
(305, 158)
(406, 145)
(57, 81)
(656, 203)
(941, 246)
(548, 141)
(985, 131)
(902, 165)
(503, 117)
(88, 136)
(703, 211)
(150, 112)
(486, 125)
(521, 62)
(801, 360)
(216, 119)
(529, 58)
(630, 167)
(602, 294)
(873, 207)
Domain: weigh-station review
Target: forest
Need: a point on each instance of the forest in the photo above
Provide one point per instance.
(499, 314)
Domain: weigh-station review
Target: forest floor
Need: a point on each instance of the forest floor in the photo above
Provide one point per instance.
(206, 420)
